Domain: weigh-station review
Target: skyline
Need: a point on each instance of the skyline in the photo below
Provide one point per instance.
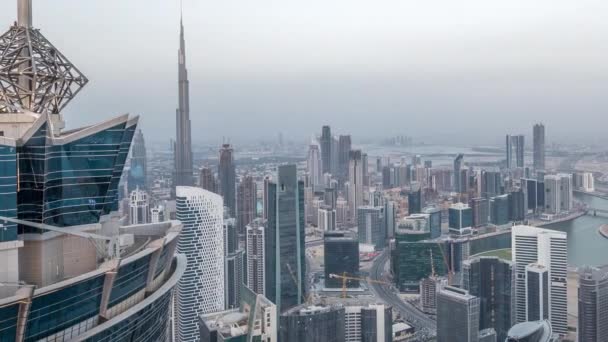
(383, 62)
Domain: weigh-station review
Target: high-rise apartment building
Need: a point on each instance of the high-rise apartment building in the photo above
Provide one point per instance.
(355, 179)
(457, 315)
(491, 280)
(368, 323)
(139, 207)
(539, 147)
(183, 138)
(558, 193)
(207, 180)
(138, 170)
(285, 262)
(428, 293)
(327, 220)
(256, 255)
(313, 167)
(227, 177)
(499, 210)
(246, 206)
(201, 289)
(593, 304)
(414, 199)
(548, 248)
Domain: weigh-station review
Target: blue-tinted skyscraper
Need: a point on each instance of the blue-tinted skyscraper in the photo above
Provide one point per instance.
(460, 219)
(499, 210)
(227, 178)
(285, 261)
(414, 199)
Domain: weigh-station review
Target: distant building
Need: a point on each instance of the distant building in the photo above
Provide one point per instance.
(499, 210)
(371, 226)
(428, 293)
(344, 148)
(341, 255)
(247, 201)
(414, 199)
(369, 323)
(515, 151)
(457, 183)
(327, 219)
(480, 209)
(593, 304)
(234, 263)
(532, 245)
(207, 180)
(539, 147)
(139, 207)
(491, 280)
(313, 167)
(434, 221)
(326, 141)
(138, 171)
(355, 179)
(457, 315)
(517, 205)
(312, 324)
(537, 331)
(227, 177)
(460, 219)
(201, 289)
(558, 193)
(584, 181)
(256, 255)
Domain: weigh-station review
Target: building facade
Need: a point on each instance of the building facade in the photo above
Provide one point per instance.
(539, 146)
(593, 304)
(312, 324)
(371, 226)
(183, 137)
(341, 256)
(247, 201)
(139, 207)
(227, 178)
(457, 315)
(256, 256)
(355, 179)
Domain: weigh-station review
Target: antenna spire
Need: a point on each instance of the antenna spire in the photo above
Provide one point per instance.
(24, 13)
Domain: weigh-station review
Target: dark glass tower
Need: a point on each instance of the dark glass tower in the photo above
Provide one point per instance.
(138, 172)
(326, 149)
(285, 260)
(227, 177)
(341, 255)
(246, 203)
(593, 304)
(458, 161)
(539, 146)
(183, 141)
(312, 324)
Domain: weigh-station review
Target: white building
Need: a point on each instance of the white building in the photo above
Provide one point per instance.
(584, 181)
(532, 245)
(374, 315)
(201, 289)
(558, 193)
(256, 252)
(327, 219)
(139, 207)
(313, 166)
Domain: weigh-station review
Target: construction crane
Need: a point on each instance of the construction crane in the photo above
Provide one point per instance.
(112, 243)
(345, 278)
(447, 264)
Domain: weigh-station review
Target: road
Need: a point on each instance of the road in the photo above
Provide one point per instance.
(411, 314)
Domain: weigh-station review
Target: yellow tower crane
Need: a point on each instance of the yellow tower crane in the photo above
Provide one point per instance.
(345, 278)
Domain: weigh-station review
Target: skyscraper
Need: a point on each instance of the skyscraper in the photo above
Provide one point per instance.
(355, 178)
(326, 141)
(285, 262)
(537, 292)
(491, 279)
(458, 161)
(414, 199)
(558, 193)
(234, 261)
(344, 147)
(207, 180)
(312, 324)
(201, 289)
(531, 245)
(341, 256)
(256, 255)
(183, 139)
(515, 151)
(371, 226)
(139, 207)
(593, 304)
(539, 147)
(457, 315)
(246, 203)
(313, 166)
(227, 177)
(138, 172)
(460, 219)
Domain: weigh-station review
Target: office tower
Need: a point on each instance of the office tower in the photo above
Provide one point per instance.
(368, 323)
(386, 177)
(390, 213)
(157, 215)
(327, 219)
(457, 183)
(378, 165)
(256, 256)
(517, 205)
(434, 221)
(53, 279)
(267, 180)
(414, 199)
(491, 184)
(371, 226)
(355, 178)
(457, 315)
(364, 169)
(537, 292)
(341, 211)
(183, 138)
(138, 172)
(254, 320)
(227, 177)
(139, 207)
(326, 142)
(344, 147)
(201, 289)
(480, 208)
(207, 180)
(246, 203)
(584, 181)
(537, 331)
(491, 280)
(341, 255)
(565, 192)
(593, 304)
(539, 147)
(312, 324)
(428, 293)
(510, 158)
(558, 193)
(515, 151)
(313, 167)
(285, 262)
(499, 210)
(460, 219)
(234, 261)
(531, 245)
(330, 197)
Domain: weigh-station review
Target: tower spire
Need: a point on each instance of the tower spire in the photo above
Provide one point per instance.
(24, 13)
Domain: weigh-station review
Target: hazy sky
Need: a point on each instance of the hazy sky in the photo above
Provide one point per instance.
(470, 69)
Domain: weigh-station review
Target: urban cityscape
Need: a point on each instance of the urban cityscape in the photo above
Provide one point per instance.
(110, 234)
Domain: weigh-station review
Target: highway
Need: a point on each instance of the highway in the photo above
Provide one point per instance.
(409, 312)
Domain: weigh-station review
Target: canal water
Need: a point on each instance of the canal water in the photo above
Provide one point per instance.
(585, 244)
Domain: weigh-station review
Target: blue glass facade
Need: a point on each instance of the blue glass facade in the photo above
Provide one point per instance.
(130, 279)
(112, 195)
(8, 192)
(8, 322)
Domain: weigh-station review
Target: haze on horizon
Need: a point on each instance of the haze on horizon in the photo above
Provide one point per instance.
(468, 71)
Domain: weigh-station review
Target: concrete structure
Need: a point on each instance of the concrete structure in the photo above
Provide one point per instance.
(428, 293)
(593, 304)
(201, 289)
(256, 256)
(183, 137)
(457, 315)
(226, 172)
(531, 245)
